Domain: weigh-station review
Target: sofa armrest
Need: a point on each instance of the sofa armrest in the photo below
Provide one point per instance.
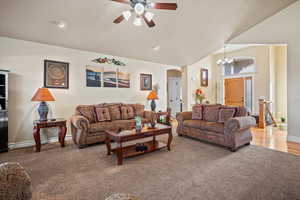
(237, 131)
(181, 117)
(184, 116)
(80, 122)
(79, 128)
(239, 123)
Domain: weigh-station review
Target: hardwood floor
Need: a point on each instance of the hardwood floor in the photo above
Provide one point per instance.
(274, 138)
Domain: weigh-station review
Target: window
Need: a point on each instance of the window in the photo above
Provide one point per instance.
(239, 66)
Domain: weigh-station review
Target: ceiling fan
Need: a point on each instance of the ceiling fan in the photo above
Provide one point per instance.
(139, 8)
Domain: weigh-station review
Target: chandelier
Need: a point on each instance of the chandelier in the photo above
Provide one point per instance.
(225, 60)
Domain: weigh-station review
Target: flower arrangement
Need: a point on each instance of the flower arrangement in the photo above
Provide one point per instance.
(200, 96)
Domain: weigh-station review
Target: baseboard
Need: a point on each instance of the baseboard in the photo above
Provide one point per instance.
(293, 139)
(30, 143)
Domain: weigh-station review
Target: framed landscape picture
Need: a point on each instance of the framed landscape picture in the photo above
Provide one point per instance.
(56, 74)
(146, 81)
(204, 77)
(94, 76)
(109, 77)
(123, 79)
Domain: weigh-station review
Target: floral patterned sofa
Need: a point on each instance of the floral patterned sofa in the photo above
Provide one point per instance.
(223, 125)
(90, 121)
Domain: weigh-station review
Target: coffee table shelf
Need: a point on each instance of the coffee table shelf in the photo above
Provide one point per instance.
(130, 151)
(124, 150)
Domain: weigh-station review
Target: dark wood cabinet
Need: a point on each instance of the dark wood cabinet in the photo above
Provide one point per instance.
(3, 111)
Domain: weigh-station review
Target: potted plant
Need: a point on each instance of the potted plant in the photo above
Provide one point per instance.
(200, 96)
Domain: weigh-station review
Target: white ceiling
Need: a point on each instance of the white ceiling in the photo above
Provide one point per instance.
(196, 29)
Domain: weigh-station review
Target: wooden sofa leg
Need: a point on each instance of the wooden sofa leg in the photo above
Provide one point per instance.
(247, 144)
(180, 135)
(232, 149)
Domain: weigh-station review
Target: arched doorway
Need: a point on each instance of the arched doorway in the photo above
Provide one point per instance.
(174, 91)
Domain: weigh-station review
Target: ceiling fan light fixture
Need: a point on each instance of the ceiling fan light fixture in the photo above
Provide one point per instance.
(139, 8)
(127, 15)
(149, 16)
(137, 21)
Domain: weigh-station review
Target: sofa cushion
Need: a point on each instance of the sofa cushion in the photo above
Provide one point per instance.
(225, 114)
(197, 112)
(102, 114)
(138, 109)
(88, 112)
(102, 126)
(125, 124)
(211, 113)
(127, 112)
(204, 125)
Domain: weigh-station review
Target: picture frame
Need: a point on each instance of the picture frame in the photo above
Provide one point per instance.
(56, 74)
(146, 81)
(204, 77)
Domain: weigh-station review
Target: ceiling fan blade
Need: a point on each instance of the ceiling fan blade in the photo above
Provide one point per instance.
(119, 19)
(122, 1)
(166, 6)
(149, 23)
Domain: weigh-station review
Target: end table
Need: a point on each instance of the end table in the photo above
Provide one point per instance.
(50, 123)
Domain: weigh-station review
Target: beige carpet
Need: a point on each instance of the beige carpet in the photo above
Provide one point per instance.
(192, 170)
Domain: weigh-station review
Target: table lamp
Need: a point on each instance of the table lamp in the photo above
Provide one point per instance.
(152, 96)
(43, 95)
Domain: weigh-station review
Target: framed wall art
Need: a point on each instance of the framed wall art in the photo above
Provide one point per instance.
(123, 79)
(110, 77)
(56, 74)
(146, 81)
(204, 77)
(94, 76)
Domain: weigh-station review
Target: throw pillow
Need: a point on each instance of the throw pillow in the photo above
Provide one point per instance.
(127, 112)
(225, 114)
(102, 114)
(138, 109)
(88, 112)
(211, 113)
(115, 113)
(197, 112)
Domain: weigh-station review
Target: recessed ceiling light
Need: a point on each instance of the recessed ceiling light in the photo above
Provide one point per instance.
(156, 48)
(61, 24)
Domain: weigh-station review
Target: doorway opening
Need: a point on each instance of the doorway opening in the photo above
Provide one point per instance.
(239, 92)
(174, 91)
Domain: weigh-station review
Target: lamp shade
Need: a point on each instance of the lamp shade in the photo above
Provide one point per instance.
(152, 95)
(43, 94)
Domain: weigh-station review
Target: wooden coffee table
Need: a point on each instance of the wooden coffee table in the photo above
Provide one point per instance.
(124, 136)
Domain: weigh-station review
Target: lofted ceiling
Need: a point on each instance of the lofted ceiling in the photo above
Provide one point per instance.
(196, 29)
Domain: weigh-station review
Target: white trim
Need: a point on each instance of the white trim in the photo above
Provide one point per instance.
(293, 139)
(30, 143)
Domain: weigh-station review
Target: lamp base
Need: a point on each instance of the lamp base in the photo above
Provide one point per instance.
(153, 105)
(43, 110)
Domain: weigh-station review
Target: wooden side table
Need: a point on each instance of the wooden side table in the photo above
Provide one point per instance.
(61, 123)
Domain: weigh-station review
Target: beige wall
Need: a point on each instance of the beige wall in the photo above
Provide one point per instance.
(260, 77)
(282, 28)
(281, 81)
(270, 75)
(25, 61)
(194, 81)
